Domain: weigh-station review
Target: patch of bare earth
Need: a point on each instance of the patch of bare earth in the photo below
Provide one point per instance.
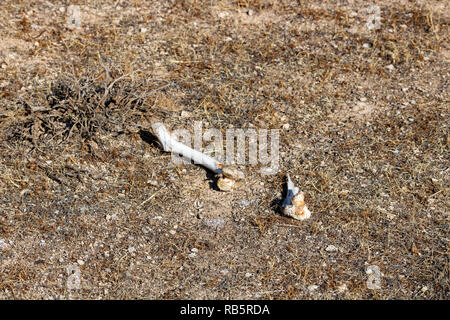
(85, 189)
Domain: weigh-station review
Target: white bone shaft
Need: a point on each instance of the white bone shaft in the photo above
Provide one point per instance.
(171, 145)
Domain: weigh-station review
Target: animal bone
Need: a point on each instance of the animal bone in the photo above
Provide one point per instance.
(294, 205)
(171, 145)
(227, 176)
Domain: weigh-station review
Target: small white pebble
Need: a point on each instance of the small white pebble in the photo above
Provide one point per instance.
(331, 248)
(3, 244)
(185, 114)
(223, 14)
(248, 275)
(80, 262)
(313, 287)
(342, 288)
(244, 203)
(172, 232)
(194, 250)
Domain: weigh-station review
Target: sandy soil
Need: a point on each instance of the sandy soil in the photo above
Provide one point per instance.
(92, 208)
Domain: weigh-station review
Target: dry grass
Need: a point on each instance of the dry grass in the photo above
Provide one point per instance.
(82, 178)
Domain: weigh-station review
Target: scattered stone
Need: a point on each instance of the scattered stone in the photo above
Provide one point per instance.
(80, 262)
(313, 287)
(3, 244)
(244, 203)
(286, 126)
(143, 30)
(83, 209)
(131, 249)
(248, 275)
(192, 255)
(172, 232)
(195, 250)
(342, 288)
(331, 248)
(146, 229)
(391, 67)
(185, 114)
(223, 14)
(215, 223)
(374, 280)
(24, 192)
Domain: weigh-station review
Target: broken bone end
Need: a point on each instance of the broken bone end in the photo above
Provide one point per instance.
(226, 184)
(294, 205)
(298, 213)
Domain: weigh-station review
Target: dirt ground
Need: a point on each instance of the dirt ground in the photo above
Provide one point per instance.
(92, 208)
